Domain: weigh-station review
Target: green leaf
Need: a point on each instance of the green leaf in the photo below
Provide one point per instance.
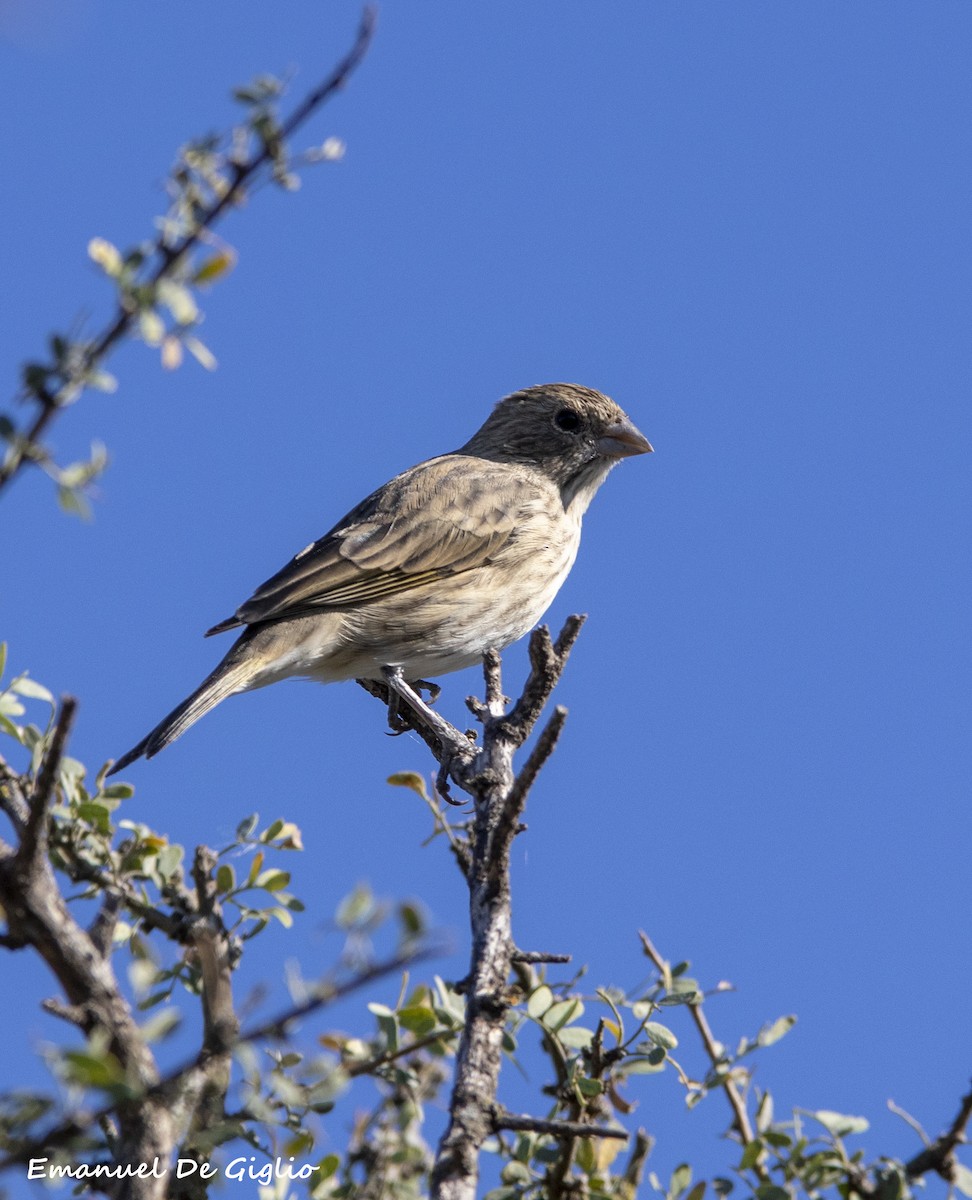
(697, 1192)
(225, 879)
(3, 657)
(169, 861)
(540, 1000)
(643, 1066)
(106, 255)
(73, 502)
(586, 1156)
(590, 1087)
(9, 727)
(563, 1013)
(418, 1019)
(299, 1144)
(31, 690)
(516, 1172)
(151, 327)
(96, 814)
(680, 1180)
(356, 908)
(412, 918)
(288, 837)
(271, 831)
(838, 1124)
(661, 1035)
(764, 1112)
(101, 381)
(751, 1154)
(213, 267)
(178, 300)
(273, 880)
(575, 1037)
(677, 997)
(161, 1025)
(247, 826)
(387, 1023)
(117, 791)
(778, 1029)
(327, 1166)
(769, 1191)
(95, 1070)
(409, 779)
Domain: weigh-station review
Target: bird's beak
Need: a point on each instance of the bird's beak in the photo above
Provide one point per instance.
(621, 439)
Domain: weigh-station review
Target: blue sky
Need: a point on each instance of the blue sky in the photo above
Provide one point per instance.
(749, 224)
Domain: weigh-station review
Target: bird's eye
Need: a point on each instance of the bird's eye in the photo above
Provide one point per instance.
(568, 420)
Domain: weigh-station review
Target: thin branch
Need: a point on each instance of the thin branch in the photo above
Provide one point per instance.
(545, 746)
(383, 1060)
(102, 928)
(170, 256)
(940, 1155)
(12, 799)
(163, 1089)
(539, 956)
(202, 1097)
(547, 661)
(560, 1129)
(740, 1121)
(634, 1171)
(33, 839)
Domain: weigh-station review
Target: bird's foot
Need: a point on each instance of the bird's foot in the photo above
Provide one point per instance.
(401, 692)
(397, 725)
(425, 685)
(442, 786)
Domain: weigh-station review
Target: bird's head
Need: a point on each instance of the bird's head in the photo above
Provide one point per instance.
(572, 433)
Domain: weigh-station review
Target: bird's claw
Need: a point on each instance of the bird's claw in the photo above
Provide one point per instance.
(425, 685)
(397, 725)
(442, 785)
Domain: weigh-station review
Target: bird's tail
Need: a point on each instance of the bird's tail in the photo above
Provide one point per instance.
(228, 678)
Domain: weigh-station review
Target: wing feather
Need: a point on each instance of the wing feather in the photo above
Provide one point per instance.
(447, 515)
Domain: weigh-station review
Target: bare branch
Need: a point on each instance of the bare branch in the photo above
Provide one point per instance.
(635, 1170)
(485, 772)
(560, 1129)
(940, 1155)
(539, 956)
(546, 744)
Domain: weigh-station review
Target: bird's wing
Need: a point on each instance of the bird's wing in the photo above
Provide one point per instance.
(447, 515)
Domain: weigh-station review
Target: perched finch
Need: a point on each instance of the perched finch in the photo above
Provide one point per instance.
(458, 555)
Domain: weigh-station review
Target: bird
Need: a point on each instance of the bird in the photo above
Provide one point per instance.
(458, 555)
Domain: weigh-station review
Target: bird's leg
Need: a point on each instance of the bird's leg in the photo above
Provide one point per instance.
(400, 690)
(396, 724)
